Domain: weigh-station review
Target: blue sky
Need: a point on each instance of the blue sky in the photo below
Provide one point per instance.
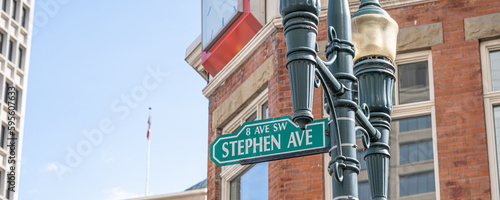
(96, 67)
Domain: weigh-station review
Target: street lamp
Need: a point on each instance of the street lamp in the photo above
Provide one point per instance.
(361, 93)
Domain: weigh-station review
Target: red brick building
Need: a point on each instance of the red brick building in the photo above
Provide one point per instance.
(446, 119)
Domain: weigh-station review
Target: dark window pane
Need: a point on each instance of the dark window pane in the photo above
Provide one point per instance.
(2, 136)
(429, 123)
(412, 124)
(412, 185)
(23, 17)
(14, 9)
(496, 116)
(415, 123)
(495, 69)
(253, 184)
(403, 126)
(422, 183)
(422, 151)
(20, 60)
(364, 191)
(413, 153)
(413, 82)
(416, 184)
(403, 154)
(6, 94)
(265, 111)
(16, 101)
(11, 49)
(252, 117)
(4, 5)
(430, 183)
(361, 157)
(430, 153)
(403, 186)
(1, 43)
(422, 123)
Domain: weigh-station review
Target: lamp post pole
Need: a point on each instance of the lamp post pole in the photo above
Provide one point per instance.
(361, 93)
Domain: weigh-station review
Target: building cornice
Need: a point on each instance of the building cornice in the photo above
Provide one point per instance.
(388, 4)
(189, 194)
(193, 52)
(193, 57)
(242, 56)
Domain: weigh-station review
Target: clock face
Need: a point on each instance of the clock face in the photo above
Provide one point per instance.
(217, 16)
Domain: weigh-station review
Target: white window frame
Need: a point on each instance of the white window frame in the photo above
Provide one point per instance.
(403, 111)
(230, 172)
(491, 99)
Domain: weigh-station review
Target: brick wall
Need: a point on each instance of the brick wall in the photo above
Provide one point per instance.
(461, 132)
(221, 94)
(462, 150)
(296, 178)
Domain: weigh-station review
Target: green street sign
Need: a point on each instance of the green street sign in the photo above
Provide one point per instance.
(269, 139)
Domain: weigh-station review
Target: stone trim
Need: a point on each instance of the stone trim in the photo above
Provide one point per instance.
(420, 37)
(248, 89)
(485, 26)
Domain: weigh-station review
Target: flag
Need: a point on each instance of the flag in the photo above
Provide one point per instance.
(149, 122)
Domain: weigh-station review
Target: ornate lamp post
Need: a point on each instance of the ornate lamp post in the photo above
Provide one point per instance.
(361, 94)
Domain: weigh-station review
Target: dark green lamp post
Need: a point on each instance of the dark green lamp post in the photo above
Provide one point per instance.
(361, 93)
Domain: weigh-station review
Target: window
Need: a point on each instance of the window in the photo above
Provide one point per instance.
(496, 115)
(244, 182)
(495, 70)
(14, 9)
(414, 124)
(11, 50)
(490, 66)
(16, 105)
(413, 84)
(4, 5)
(252, 184)
(412, 137)
(7, 193)
(2, 136)
(20, 58)
(360, 155)
(23, 16)
(415, 152)
(1, 43)
(6, 93)
(364, 192)
(416, 184)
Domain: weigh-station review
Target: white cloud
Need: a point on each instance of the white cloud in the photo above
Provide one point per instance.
(119, 193)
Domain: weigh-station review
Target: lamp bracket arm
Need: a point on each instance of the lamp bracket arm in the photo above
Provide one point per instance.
(362, 117)
(336, 166)
(329, 80)
(333, 114)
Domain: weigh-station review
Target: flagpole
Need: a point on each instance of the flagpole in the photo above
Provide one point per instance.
(147, 170)
(147, 176)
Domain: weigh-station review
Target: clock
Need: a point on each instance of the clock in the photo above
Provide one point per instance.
(217, 17)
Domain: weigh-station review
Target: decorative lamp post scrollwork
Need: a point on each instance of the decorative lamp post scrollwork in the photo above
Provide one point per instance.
(357, 81)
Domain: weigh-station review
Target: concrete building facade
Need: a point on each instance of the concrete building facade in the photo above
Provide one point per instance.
(16, 24)
(446, 119)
